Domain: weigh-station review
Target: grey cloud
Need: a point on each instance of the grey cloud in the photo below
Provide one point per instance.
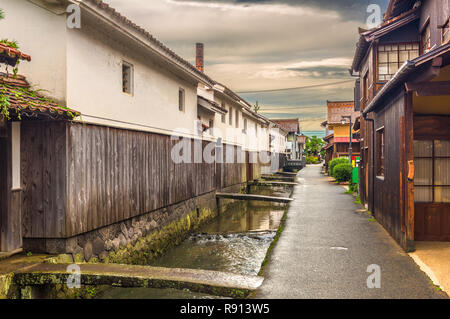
(240, 43)
(348, 9)
(323, 72)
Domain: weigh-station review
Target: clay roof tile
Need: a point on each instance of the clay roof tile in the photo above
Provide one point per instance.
(24, 101)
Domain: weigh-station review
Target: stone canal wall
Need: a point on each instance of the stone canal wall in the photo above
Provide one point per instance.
(140, 239)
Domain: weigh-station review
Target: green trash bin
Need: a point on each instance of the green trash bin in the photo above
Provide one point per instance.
(355, 175)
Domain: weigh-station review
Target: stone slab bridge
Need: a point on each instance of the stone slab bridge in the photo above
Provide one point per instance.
(202, 281)
(238, 196)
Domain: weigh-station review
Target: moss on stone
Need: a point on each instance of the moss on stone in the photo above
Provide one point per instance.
(154, 245)
(5, 285)
(60, 259)
(78, 258)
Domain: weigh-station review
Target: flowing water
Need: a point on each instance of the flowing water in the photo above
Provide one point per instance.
(236, 241)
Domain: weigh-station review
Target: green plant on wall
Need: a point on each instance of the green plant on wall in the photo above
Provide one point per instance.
(12, 44)
(4, 107)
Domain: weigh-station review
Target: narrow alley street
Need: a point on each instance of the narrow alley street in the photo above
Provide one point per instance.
(326, 247)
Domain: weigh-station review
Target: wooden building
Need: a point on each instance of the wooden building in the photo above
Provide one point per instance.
(404, 71)
(82, 185)
(337, 128)
(25, 113)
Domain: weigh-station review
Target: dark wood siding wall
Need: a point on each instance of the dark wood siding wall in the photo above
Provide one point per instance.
(43, 171)
(229, 174)
(118, 174)
(387, 192)
(342, 149)
(77, 178)
(436, 12)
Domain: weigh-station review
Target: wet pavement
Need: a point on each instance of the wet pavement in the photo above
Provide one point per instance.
(326, 248)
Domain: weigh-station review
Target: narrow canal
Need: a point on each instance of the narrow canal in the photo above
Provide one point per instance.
(236, 241)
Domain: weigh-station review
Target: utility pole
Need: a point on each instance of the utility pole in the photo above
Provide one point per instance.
(350, 150)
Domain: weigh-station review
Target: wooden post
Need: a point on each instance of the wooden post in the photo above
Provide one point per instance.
(3, 127)
(409, 187)
(11, 200)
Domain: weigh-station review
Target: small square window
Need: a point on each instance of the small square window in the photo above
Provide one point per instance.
(127, 78)
(230, 113)
(390, 62)
(181, 100)
(237, 118)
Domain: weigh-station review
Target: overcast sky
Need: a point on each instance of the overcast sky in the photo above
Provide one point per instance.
(264, 44)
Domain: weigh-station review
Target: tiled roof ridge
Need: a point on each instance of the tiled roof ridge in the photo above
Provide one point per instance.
(18, 80)
(348, 101)
(367, 36)
(289, 125)
(15, 52)
(23, 99)
(400, 16)
(286, 120)
(214, 103)
(106, 7)
(389, 13)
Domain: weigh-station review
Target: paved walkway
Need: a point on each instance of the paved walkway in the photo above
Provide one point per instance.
(434, 259)
(326, 247)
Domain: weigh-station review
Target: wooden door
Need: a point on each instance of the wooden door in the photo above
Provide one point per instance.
(432, 221)
(432, 190)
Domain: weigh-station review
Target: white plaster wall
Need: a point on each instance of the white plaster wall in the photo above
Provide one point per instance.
(82, 68)
(94, 86)
(279, 143)
(235, 136)
(228, 131)
(41, 34)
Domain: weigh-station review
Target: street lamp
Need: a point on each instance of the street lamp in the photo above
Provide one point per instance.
(350, 150)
